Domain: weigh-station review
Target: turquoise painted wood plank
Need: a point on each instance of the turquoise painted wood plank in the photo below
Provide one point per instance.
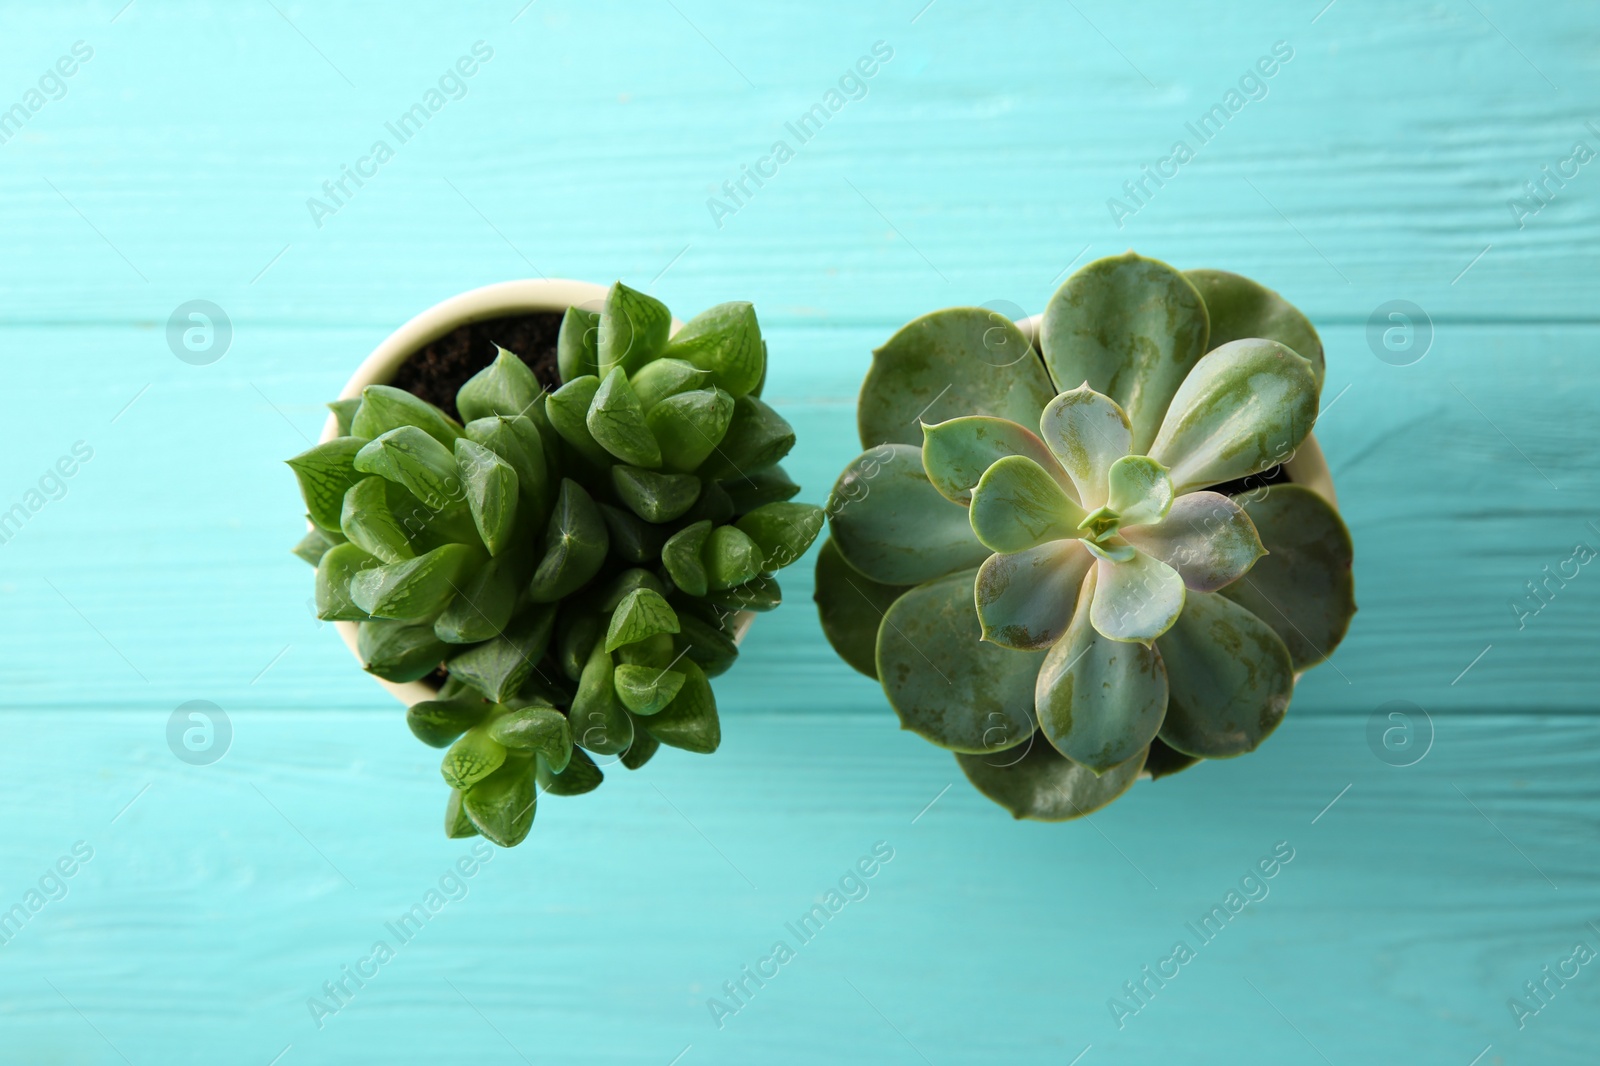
(218, 903)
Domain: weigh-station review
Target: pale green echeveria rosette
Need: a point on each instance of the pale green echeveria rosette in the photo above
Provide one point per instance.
(1099, 554)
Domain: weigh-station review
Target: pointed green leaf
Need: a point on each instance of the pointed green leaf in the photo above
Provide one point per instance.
(690, 721)
(759, 594)
(1240, 308)
(575, 546)
(1136, 599)
(782, 531)
(504, 387)
(654, 496)
(490, 485)
(580, 776)
(367, 521)
(1017, 505)
(705, 643)
(665, 377)
(483, 603)
(411, 458)
(457, 826)
(633, 330)
(956, 453)
(1131, 328)
(385, 408)
(1230, 676)
(1206, 537)
(891, 524)
(725, 340)
(640, 751)
(616, 421)
(471, 759)
(498, 668)
(1026, 600)
(544, 730)
(757, 436)
(1034, 781)
(1245, 408)
(645, 690)
(314, 545)
(771, 485)
(326, 473)
(517, 441)
(339, 566)
(599, 720)
(731, 558)
(632, 538)
(641, 614)
(579, 634)
(944, 681)
(851, 606)
(1140, 490)
(1100, 701)
(690, 426)
(1086, 432)
(961, 361)
(681, 555)
(619, 588)
(1303, 589)
(399, 651)
(344, 411)
(414, 588)
(577, 344)
(502, 806)
(437, 723)
(567, 410)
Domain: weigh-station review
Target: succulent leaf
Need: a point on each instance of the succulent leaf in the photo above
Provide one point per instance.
(653, 496)
(600, 722)
(577, 344)
(640, 751)
(1086, 432)
(690, 721)
(633, 330)
(731, 558)
(1230, 676)
(682, 559)
(1245, 408)
(367, 521)
(417, 462)
(399, 651)
(517, 441)
(1162, 761)
(1017, 505)
(580, 776)
(666, 377)
(1131, 328)
(705, 643)
(944, 681)
(344, 411)
(725, 340)
(326, 473)
(760, 593)
(314, 545)
(891, 524)
(616, 421)
(336, 569)
(541, 729)
(416, 588)
(1206, 537)
(782, 531)
(690, 425)
(771, 485)
(1140, 490)
(956, 453)
(962, 361)
(757, 436)
(483, 604)
(505, 387)
(1240, 308)
(1033, 780)
(568, 412)
(1303, 589)
(498, 668)
(1100, 702)
(632, 538)
(575, 545)
(471, 759)
(385, 408)
(645, 690)
(1026, 600)
(490, 484)
(502, 805)
(851, 606)
(457, 826)
(1135, 599)
(642, 614)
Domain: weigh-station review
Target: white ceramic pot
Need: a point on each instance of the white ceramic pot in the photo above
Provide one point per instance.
(500, 300)
(1306, 466)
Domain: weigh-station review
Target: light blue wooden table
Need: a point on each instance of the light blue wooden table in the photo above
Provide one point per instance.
(1385, 160)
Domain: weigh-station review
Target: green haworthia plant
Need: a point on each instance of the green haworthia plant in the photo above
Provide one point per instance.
(574, 565)
(1097, 568)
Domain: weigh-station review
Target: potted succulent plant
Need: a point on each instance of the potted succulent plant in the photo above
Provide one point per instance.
(542, 514)
(1105, 554)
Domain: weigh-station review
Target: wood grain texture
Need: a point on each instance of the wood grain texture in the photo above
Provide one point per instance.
(1380, 165)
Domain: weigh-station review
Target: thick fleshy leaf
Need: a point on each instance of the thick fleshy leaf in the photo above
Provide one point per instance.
(726, 340)
(1033, 780)
(706, 642)
(336, 569)
(633, 330)
(644, 746)
(956, 453)
(504, 387)
(1132, 328)
(399, 651)
(1025, 600)
(960, 361)
(1086, 432)
(437, 723)
(1240, 308)
(457, 826)
(731, 558)
(632, 538)
(517, 440)
(484, 602)
(368, 522)
(851, 606)
(315, 544)
(498, 668)
(1206, 537)
(541, 729)
(689, 426)
(641, 614)
(772, 485)
(944, 681)
(616, 420)
(1140, 491)
(1017, 505)
(1099, 701)
(1230, 679)
(419, 463)
(575, 545)
(577, 345)
(682, 559)
(1303, 589)
(567, 410)
(652, 495)
(690, 721)
(891, 524)
(490, 484)
(502, 805)
(414, 588)
(384, 408)
(1245, 408)
(344, 412)
(783, 531)
(1136, 599)
(471, 759)
(761, 593)
(757, 436)
(644, 689)
(580, 776)
(656, 381)
(326, 473)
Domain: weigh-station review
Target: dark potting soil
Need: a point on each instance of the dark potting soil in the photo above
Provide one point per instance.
(438, 370)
